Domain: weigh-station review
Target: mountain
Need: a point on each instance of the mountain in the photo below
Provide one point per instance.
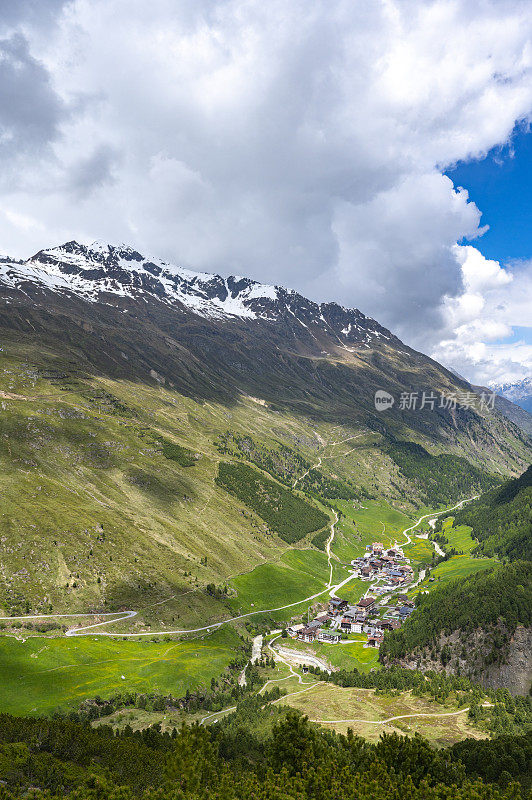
(479, 626)
(519, 392)
(509, 409)
(103, 273)
(502, 519)
(127, 382)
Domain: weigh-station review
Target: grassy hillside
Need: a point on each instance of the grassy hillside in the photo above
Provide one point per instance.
(502, 519)
(110, 498)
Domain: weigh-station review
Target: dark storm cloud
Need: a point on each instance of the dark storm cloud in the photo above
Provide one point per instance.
(94, 171)
(30, 109)
(31, 12)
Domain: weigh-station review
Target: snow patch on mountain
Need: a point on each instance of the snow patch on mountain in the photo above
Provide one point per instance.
(99, 272)
(519, 392)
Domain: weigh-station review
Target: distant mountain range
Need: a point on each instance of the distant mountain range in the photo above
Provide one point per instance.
(519, 392)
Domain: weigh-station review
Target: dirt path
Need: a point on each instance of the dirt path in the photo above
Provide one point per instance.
(401, 716)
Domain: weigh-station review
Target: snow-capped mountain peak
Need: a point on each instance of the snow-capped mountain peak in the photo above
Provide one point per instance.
(519, 392)
(105, 273)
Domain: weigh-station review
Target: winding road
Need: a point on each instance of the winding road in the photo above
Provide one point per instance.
(94, 628)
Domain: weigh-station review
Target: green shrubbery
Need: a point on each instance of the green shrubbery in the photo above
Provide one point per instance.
(320, 540)
(502, 519)
(238, 760)
(286, 513)
(287, 466)
(440, 479)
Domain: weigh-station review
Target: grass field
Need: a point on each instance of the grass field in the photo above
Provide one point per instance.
(298, 574)
(456, 567)
(343, 656)
(329, 702)
(420, 551)
(39, 675)
(460, 538)
(353, 591)
(362, 525)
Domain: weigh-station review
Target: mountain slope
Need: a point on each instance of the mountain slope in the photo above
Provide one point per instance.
(509, 409)
(121, 377)
(480, 626)
(502, 519)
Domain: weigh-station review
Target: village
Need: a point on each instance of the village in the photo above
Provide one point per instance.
(387, 570)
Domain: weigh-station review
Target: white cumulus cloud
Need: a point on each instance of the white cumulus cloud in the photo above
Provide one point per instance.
(297, 142)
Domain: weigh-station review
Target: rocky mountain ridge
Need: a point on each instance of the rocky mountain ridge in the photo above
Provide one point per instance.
(103, 273)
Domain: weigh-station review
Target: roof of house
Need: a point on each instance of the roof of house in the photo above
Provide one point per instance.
(308, 631)
(335, 601)
(405, 611)
(365, 602)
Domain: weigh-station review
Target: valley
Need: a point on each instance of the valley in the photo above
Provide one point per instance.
(51, 670)
(218, 474)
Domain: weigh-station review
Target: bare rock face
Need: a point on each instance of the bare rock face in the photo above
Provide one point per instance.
(516, 674)
(495, 657)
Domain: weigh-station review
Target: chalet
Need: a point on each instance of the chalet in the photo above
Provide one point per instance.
(376, 640)
(308, 634)
(390, 624)
(335, 604)
(366, 603)
(351, 625)
(377, 547)
(351, 611)
(402, 598)
(405, 611)
(328, 636)
(293, 630)
(395, 573)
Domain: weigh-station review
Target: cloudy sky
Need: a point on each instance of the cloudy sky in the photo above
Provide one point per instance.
(319, 144)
